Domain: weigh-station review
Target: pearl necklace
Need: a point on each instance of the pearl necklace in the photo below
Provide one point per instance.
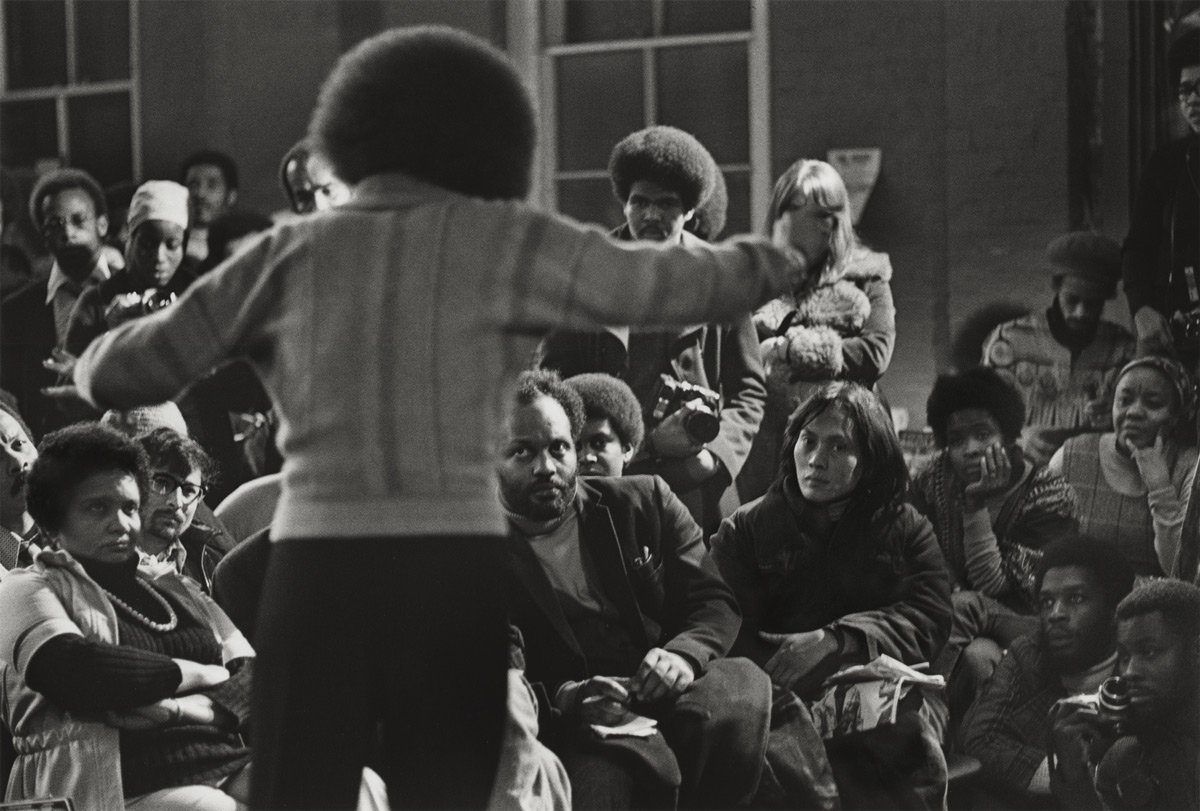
(160, 627)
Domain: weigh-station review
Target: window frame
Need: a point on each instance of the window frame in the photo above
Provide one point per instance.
(536, 61)
(62, 93)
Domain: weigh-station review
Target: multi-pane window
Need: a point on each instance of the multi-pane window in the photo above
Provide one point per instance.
(68, 86)
(610, 67)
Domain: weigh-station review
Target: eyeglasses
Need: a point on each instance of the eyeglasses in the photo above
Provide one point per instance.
(1188, 88)
(164, 484)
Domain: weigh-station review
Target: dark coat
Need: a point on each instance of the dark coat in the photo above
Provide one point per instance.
(721, 357)
(786, 582)
(26, 339)
(671, 598)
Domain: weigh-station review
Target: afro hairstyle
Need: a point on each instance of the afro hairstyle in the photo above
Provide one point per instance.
(667, 156)
(431, 102)
(982, 388)
(607, 397)
(536, 383)
(1178, 602)
(1106, 564)
(61, 180)
(211, 157)
(709, 220)
(68, 457)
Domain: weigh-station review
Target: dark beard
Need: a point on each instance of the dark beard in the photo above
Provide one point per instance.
(564, 496)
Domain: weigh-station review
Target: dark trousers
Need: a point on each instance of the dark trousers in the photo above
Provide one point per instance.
(391, 651)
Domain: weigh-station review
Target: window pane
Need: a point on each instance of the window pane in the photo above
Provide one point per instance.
(704, 89)
(28, 132)
(35, 43)
(590, 201)
(102, 42)
(599, 103)
(737, 217)
(98, 128)
(599, 20)
(705, 16)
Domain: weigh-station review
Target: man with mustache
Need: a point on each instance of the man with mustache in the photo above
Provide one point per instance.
(172, 539)
(68, 208)
(623, 615)
(661, 176)
(1010, 728)
(1064, 359)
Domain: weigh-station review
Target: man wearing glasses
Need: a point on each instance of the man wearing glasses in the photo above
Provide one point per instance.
(172, 539)
(1161, 263)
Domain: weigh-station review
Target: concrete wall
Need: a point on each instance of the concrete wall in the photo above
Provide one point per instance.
(968, 103)
(242, 75)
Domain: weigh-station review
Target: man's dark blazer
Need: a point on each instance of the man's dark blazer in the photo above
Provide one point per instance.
(26, 338)
(671, 598)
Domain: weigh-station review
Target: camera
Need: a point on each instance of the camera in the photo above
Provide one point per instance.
(702, 422)
(1112, 702)
(153, 300)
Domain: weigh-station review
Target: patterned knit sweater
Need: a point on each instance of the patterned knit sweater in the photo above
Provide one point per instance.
(1038, 509)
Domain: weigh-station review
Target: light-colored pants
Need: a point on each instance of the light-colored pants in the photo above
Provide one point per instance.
(231, 794)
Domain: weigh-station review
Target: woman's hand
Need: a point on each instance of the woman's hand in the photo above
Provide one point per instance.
(1153, 462)
(995, 472)
(603, 700)
(797, 655)
(197, 676)
(193, 709)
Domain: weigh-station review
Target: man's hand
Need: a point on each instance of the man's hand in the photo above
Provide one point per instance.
(1153, 463)
(61, 362)
(995, 472)
(603, 700)
(670, 440)
(661, 674)
(1153, 331)
(797, 655)
(1077, 740)
(124, 307)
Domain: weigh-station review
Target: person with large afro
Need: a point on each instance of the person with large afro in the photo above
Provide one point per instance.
(669, 187)
(388, 331)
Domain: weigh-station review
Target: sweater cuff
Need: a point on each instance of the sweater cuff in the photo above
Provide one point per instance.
(1040, 782)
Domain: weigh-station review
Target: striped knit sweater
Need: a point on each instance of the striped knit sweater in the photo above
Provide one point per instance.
(386, 332)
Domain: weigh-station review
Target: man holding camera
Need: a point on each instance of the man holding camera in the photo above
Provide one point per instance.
(1026, 709)
(661, 175)
(624, 618)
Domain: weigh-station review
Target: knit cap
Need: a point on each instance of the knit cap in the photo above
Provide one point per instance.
(159, 200)
(1088, 255)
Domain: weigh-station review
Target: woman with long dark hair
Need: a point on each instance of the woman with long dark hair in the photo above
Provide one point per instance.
(831, 567)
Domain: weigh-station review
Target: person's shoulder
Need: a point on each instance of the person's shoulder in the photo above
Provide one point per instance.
(865, 265)
(627, 488)
(31, 294)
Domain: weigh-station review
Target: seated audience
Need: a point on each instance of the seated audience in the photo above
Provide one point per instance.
(158, 229)
(19, 536)
(211, 178)
(992, 510)
(145, 682)
(1131, 485)
(1144, 755)
(612, 429)
(622, 616)
(1064, 360)
(832, 568)
(1078, 585)
(118, 197)
(68, 208)
(172, 540)
(840, 327)
(660, 175)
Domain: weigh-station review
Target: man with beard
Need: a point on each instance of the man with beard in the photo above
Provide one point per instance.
(68, 207)
(1078, 586)
(171, 539)
(1152, 763)
(623, 616)
(1064, 360)
(19, 537)
(662, 176)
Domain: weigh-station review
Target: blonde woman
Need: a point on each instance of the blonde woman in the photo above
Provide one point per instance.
(839, 326)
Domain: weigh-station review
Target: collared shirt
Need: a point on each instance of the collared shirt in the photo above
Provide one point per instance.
(18, 550)
(168, 561)
(62, 292)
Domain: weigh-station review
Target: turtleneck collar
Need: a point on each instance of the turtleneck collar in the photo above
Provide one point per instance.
(116, 577)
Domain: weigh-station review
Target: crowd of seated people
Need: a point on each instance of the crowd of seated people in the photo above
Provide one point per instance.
(725, 586)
